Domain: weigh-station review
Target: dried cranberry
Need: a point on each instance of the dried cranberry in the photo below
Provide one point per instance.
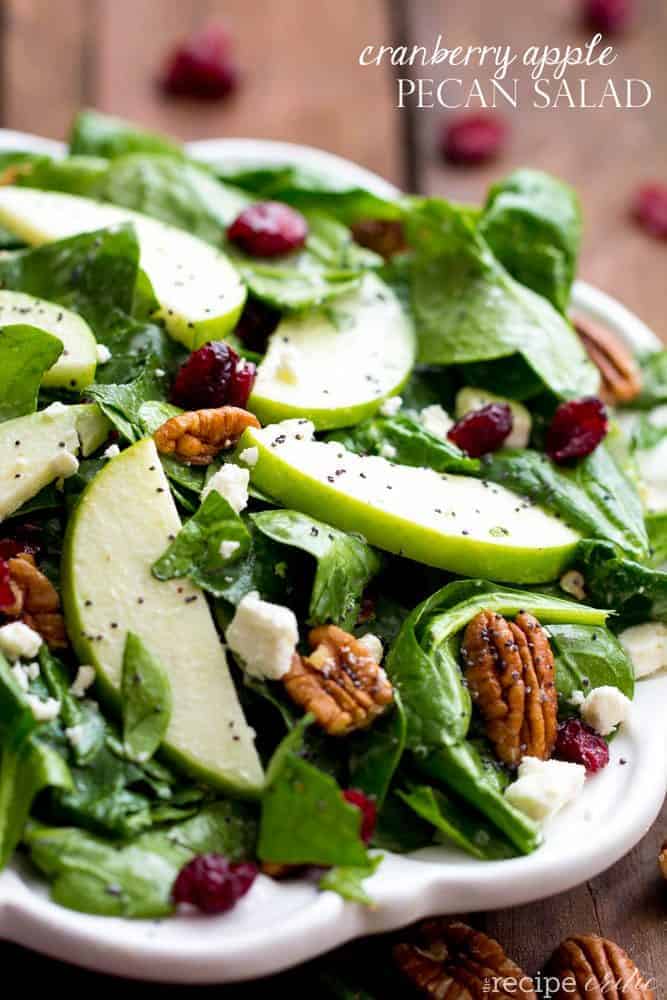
(6, 593)
(201, 66)
(268, 229)
(576, 429)
(608, 16)
(579, 744)
(256, 324)
(213, 375)
(368, 811)
(650, 209)
(212, 883)
(473, 139)
(483, 430)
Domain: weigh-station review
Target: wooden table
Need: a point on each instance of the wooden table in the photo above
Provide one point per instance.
(302, 82)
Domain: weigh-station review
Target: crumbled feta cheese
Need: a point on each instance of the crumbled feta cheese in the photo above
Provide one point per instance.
(387, 450)
(160, 372)
(65, 464)
(576, 699)
(572, 583)
(249, 456)
(264, 636)
(652, 465)
(436, 420)
(287, 364)
(231, 482)
(111, 451)
(19, 641)
(75, 734)
(604, 708)
(32, 670)
(646, 645)
(20, 676)
(227, 549)
(543, 787)
(44, 711)
(391, 406)
(373, 644)
(103, 354)
(85, 676)
(55, 408)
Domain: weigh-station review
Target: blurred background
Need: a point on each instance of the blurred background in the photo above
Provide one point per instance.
(299, 79)
(296, 76)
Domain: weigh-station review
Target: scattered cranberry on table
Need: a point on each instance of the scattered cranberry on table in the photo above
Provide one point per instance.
(213, 884)
(577, 743)
(213, 375)
(472, 139)
(650, 209)
(483, 430)
(256, 324)
(577, 428)
(202, 66)
(268, 229)
(368, 811)
(609, 16)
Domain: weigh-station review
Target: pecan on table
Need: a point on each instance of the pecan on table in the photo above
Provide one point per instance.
(197, 436)
(340, 682)
(620, 374)
(36, 600)
(588, 967)
(662, 860)
(448, 960)
(509, 668)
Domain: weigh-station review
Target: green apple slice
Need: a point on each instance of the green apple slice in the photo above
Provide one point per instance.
(453, 522)
(122, 524)
(75, 368)
(199, 291)
(337, 365)
(38, 448)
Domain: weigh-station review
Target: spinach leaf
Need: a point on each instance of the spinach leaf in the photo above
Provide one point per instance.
(656, 525)
(97, 134)
(26, 352)
(375, 754)
(457, 823)
(80, 175)
(654, 380)
(309, 190)
(146, 699)
(135, 878)
(587, 657)
(464, 770)
(405, 441)
(123, 403)
(532, 222)
(345, 563)
(305, 819)
(347, 880)
(423, 662)
(637, 593)
(595, 497)
(469, 309)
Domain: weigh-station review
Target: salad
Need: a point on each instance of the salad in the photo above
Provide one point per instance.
(325, 532)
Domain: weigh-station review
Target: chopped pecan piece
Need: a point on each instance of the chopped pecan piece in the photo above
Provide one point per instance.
(509, 667)
(588, 967)
(662, 860)
(384, 236)
(620, 374)
(340, 682)
(37, 602)
(197, 436)
(450, 961)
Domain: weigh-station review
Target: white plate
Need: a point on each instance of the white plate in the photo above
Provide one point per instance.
(276, 926)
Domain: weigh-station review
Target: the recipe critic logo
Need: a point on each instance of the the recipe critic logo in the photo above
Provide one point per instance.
(548, 72)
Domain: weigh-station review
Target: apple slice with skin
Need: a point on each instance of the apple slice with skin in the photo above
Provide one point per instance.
(199, 291)
(336, 366)
(121, 525)
(453, 522)
(75, 368)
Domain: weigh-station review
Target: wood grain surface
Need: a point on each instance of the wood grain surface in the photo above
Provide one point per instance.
(302, 82)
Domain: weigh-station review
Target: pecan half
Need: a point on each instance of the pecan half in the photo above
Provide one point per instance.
(588, 967)
(37, 602)
(384, 236)
(509, 668)
(197, 436)
(621, 377)
(340, 683)
(450, 961)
